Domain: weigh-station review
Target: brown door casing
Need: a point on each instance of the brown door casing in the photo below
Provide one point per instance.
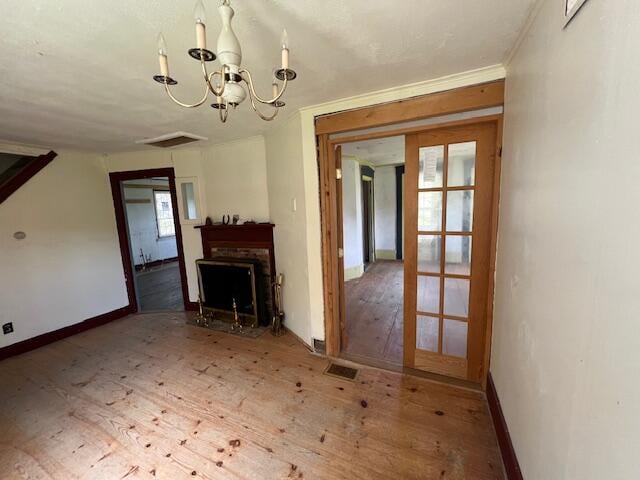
(116, 179)
(464, 99)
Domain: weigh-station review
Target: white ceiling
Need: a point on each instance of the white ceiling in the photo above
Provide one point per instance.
(77, 73)
(383, 151)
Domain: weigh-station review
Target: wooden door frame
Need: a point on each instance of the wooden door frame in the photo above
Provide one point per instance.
(115, 179)
(459, 100)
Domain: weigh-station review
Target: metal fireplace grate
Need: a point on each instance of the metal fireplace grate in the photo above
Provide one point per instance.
(341, 371)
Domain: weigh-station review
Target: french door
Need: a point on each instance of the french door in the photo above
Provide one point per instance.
(449, 178)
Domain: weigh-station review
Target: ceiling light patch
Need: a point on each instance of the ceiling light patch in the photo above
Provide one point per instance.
(171, 140)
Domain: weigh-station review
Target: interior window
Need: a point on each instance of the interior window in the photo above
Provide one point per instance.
(164, 214)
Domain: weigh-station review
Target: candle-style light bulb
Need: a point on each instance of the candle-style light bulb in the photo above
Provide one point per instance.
(162, 56)
(201, 20)
(274, 88)
(284, 43)
(162, 45)
(200, 13)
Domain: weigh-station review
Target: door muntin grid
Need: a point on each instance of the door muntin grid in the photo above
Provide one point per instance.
(446, 187)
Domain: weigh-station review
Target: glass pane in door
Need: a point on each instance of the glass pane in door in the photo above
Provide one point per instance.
(454, 338)
(427, 333)
(458, 261)
(428, 294)
(456, 297)
(431, 165)
(459, 210)
(429, 251)
(429, 211)
(461, 170)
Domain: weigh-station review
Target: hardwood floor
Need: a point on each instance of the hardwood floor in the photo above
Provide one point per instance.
(160, 288)
(374, 312)
(151, 397)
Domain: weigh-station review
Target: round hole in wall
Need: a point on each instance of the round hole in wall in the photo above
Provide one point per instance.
(19, 235)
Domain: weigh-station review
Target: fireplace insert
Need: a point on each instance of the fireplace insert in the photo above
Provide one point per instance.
(224, 282)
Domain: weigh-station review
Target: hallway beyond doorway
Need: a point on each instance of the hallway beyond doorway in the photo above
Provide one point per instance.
(374, 310)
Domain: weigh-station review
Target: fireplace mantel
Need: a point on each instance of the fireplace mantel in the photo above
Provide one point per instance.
(252, 235)
(252, 240)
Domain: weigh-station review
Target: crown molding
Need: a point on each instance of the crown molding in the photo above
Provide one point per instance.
(449, 82)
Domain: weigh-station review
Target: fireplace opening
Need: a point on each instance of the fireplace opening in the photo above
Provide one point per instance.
(230, 286)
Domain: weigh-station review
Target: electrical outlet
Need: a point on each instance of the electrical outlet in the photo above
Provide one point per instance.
(7, 328)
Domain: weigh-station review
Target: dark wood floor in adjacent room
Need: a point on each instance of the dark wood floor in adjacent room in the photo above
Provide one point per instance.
(160, 288)
(151, 397)
(374, 312)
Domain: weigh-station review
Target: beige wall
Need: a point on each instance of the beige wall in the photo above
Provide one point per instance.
(565, 346)
(68, 268)
(286, 188)
(232, 179)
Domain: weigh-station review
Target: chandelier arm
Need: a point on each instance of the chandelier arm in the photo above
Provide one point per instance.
(209, 76)
(223, 115)
(187, 105)
(259, 113)
(249, 82)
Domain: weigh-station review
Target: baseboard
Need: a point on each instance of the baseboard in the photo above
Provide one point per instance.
(155, 263)
(192, 306)
(509, 458)
(386, 255)
(50, 337)
(352, 273)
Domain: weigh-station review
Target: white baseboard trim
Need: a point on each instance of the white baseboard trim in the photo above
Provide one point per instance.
(352, 273)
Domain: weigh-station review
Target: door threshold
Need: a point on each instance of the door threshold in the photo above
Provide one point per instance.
(364, 361)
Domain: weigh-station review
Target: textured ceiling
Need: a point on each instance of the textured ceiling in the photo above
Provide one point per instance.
(77, 73)
(382, 151)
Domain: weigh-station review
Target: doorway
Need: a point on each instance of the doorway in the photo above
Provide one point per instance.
(452, 337)
(372, 264)
(146, 207)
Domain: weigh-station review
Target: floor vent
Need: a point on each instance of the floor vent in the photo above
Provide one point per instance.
(319, 346)
(341, 371)
(172, 140)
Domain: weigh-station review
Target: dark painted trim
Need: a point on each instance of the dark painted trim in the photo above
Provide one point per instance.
(192, 306)
(399, 206)
(127, 260)
(50, 337)
(509, 458)
(367, 170)
(156, 263)
(28, 172)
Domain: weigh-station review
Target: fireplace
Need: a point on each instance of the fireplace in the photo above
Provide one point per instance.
(238, 265)
(230, 287)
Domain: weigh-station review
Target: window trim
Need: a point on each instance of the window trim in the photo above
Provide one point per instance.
(155, 211)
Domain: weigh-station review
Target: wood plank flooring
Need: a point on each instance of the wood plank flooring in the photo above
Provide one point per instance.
(151, 397)
(160, 288)
(374, 312)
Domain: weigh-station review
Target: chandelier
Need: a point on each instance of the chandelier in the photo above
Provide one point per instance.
(226, 84)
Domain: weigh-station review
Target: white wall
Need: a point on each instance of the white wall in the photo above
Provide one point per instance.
(565, 346)
(232, 178)
(235, 177)
(287, 207)
(143, 228)
(68, 268)
(352, 239)
(385, 212)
